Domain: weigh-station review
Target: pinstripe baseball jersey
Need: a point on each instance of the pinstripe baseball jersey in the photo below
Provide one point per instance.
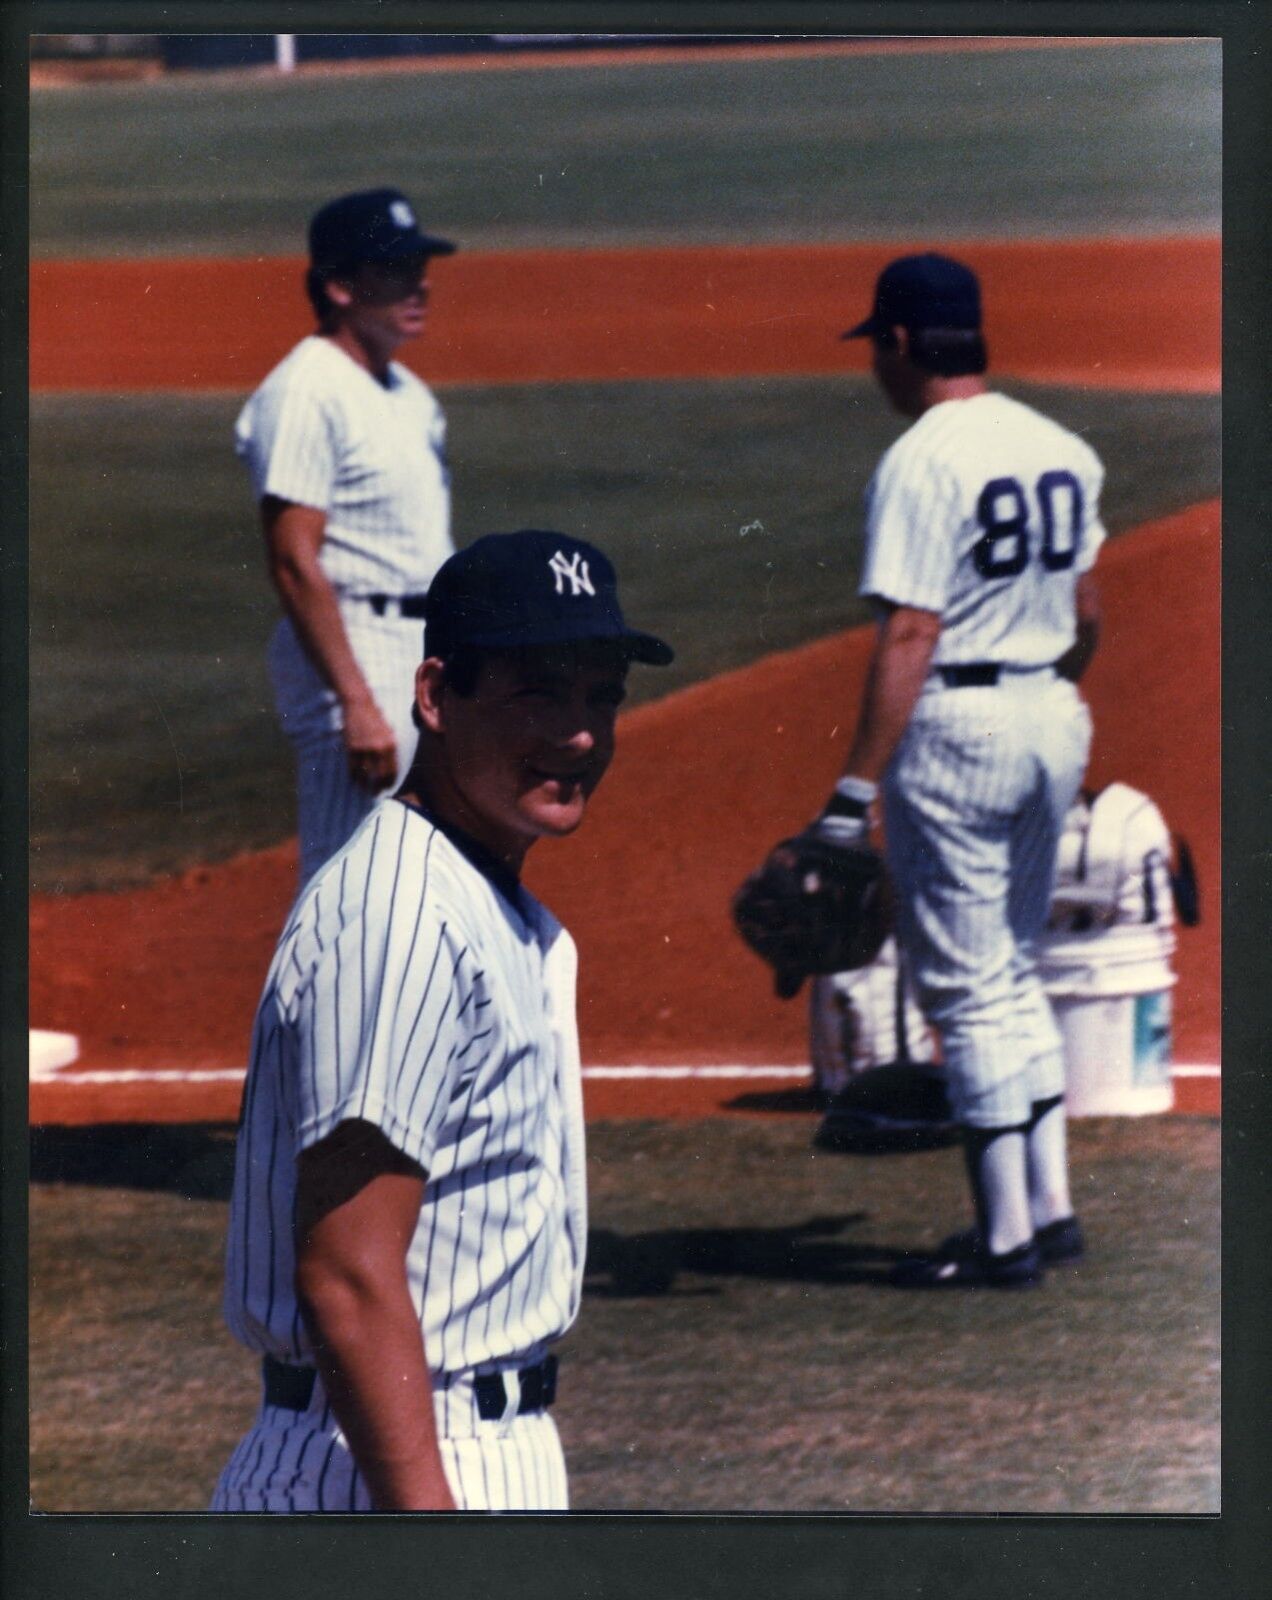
(986, 512)
(323, 432)
(419, 987)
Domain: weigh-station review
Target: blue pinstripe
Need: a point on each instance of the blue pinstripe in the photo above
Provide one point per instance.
(417, 997)
(322, 432)
(975, 796)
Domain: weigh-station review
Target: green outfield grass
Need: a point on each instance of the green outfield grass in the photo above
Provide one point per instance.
(731, 508)
(1019, 143)
(736, 1349)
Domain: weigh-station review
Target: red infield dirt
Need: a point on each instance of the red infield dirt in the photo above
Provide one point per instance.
(53, 74)
(705, 780)
(167, 978)
(1110, 313)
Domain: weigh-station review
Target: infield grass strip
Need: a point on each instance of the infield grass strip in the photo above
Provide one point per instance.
(732, 510)
(735, 1350)
(1054, 142)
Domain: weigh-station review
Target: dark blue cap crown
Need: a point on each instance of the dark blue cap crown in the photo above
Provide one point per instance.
(927, 291)
(532, 587)
(373, 225)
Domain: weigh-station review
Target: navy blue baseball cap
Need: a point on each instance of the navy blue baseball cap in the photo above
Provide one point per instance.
(373, 225)
(532, 587)
(927, 291)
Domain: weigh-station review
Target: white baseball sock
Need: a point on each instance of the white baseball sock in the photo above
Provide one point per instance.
(1047, 1159)
(996, 1165)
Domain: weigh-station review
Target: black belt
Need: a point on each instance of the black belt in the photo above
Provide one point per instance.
(408, 605)
(980, 674)
(288, 1386)
(293, 1388)
(971, 675)
(538, 1390)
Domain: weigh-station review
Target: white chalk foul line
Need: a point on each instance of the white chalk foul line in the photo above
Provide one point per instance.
(158, 1075)
(236, 1075)
(696, 1072)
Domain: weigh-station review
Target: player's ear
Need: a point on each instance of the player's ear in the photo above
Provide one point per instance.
(430, 681)
(901, 341)
(339, 292)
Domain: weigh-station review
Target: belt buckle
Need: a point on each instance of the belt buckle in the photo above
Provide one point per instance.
(536, 1390)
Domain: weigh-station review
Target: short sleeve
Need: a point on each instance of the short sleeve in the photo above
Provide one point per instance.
(912, 519)
(1093, 529)
(390, 1016)
(437, 441)
(287, 436)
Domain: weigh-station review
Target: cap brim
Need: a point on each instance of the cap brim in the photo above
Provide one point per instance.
(653, 652)
(410, 247)
(419, 244)
(642, 647)
(786, 985)
(862, 329)
(417, 247)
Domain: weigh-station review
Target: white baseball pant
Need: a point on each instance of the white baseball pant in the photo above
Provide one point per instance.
(298, 1461)
(330, 803)
(974, 803)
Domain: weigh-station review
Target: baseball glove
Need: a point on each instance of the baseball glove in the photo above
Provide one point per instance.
(815, 907)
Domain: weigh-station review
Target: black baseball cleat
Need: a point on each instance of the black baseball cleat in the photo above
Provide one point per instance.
(1060, 1241)
(961, 1263)
(1057, 1242)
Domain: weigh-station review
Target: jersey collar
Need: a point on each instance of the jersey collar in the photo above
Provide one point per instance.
(488, 864)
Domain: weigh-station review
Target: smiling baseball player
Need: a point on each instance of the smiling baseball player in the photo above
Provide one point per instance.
(346, 449)
(982, 527)
(409, 1215)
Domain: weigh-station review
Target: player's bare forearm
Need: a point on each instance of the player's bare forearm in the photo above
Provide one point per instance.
(358, 1201)
(371, 1357)
(901, 661)
(293, 534)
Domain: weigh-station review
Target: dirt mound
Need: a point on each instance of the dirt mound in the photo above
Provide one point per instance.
(705, 780)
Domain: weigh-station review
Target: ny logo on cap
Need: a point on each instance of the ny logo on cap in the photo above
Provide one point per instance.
(574, 570)
(402, 214)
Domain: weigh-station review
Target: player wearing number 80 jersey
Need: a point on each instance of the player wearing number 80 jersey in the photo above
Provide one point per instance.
(982, 527)
(985, 511)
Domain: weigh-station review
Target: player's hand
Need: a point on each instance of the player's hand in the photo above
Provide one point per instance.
(370, 745)
(846, 819)
(840, 831)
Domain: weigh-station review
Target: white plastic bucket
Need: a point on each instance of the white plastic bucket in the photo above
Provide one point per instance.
(1111, 995)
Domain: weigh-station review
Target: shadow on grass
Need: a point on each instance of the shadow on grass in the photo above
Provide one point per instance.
(644, 1264)
(792, 1101)
(899, 1108)
(193, 1160)
(196, 1162)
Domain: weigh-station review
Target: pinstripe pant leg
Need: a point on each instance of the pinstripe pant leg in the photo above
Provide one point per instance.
(517, 1467)
(1062, 741)
(388, 650)
(330, 803)
(946, 800)
(291, 1462)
